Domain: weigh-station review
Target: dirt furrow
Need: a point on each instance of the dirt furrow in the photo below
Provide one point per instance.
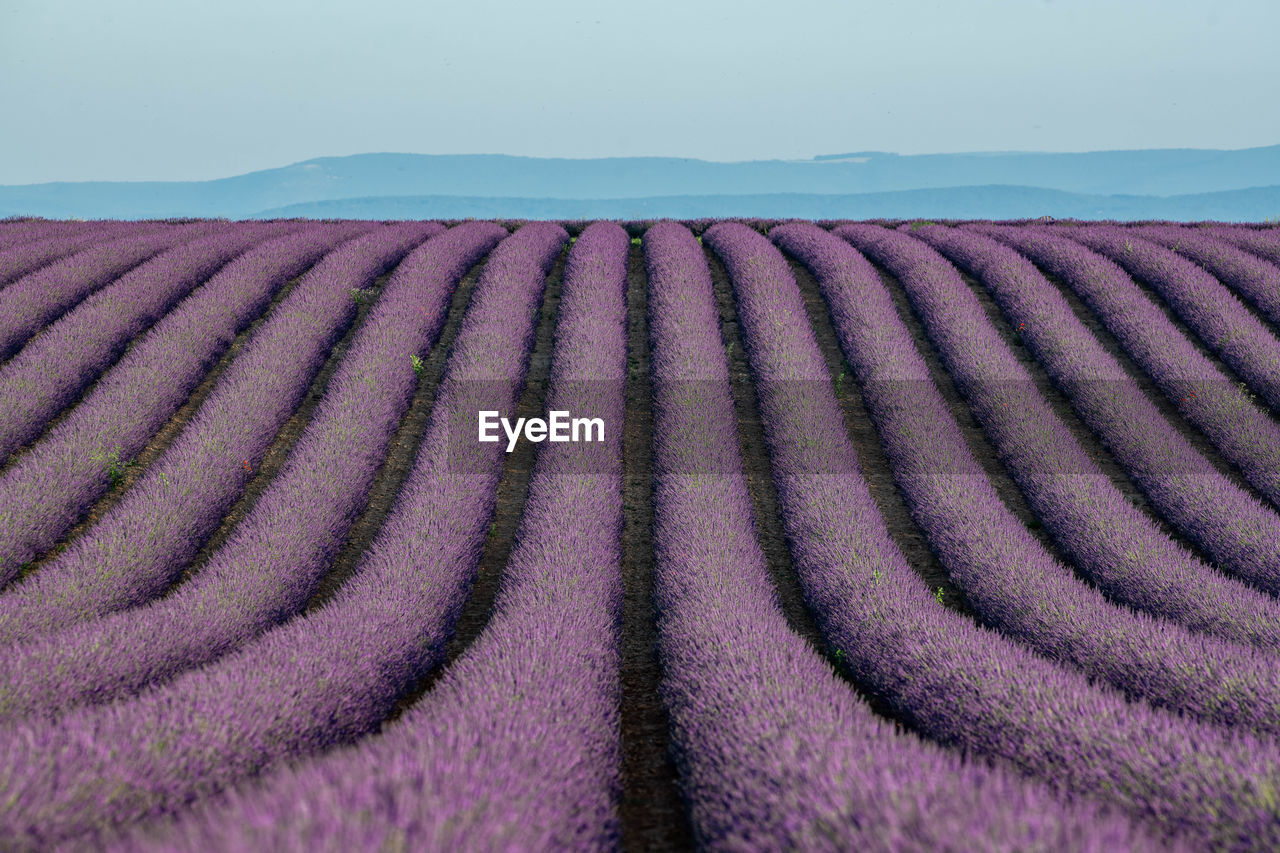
(652, 812)
(872, 461)
(974, 436)
(512, 489)
(401, 451)
(756, 467)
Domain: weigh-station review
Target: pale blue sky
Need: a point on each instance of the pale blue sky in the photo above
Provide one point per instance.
(175, 89)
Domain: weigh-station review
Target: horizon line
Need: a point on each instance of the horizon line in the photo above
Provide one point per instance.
(813, 159)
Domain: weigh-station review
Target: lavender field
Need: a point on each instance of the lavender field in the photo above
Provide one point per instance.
(887, 536)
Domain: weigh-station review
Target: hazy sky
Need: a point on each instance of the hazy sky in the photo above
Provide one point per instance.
(174, 89)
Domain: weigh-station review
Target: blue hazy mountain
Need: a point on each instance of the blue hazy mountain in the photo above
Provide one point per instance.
(994, 202)
(867, 183)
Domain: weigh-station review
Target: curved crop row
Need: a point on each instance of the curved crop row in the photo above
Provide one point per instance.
(955, 681)
(335, 674)
(516, 747)
(45, 491)
(140, 546)
(18, 261)
(1105, 535)
(1247, 537)
(1248, 275)
(1264, 245)
(36, 300)
(1007, 576)
(774, 750)
(1212, 311)
(50, 372)
(274, 558)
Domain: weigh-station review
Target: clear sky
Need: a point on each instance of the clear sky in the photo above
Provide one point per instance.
(177, 89)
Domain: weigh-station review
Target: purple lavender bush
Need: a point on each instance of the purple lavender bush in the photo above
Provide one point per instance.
(1262, 244)
(774, 751)
(26, 258)
(35, 301)
(1208, 308)
(1008, 577)
(1110, 540)
(1228, 260)
(948, 678)
(134, 552)
(31, 230)
(516, 747)
(1239, 534)
(48, 375)
(275, 557)
(333, 675)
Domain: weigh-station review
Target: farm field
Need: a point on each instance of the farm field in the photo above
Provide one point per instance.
(891, 535)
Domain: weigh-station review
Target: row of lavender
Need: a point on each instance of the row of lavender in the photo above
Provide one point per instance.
(23, 258)
(1006, 575)
(334, 674)
(17, 234)
(1206, 305)
(1181, 484)
(275, 557)
(516, 747)
(55, 366)
(968, 686)
(740, 687)
(133, 399)
(1196, 384)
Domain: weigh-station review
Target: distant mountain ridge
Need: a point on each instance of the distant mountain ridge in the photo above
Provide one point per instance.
(993, 202)
(1075, 181)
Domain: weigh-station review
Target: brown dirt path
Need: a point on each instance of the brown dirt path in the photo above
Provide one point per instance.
(652, 812)
(512, 489)
(872, 461)
(756, 466)
(402, 449)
